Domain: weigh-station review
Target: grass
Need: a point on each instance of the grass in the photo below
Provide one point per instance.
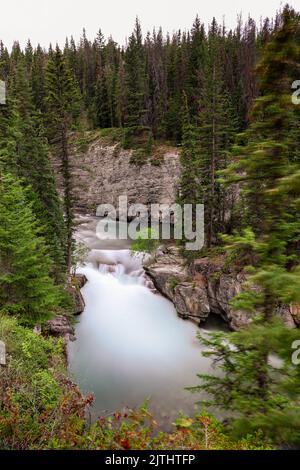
(143, 148)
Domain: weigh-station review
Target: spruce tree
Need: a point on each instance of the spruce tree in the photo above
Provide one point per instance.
(63, 109)
(26, 289)
(261, 395)
(135, 80)
(189, 182)
(4, 62)
(38, 79)
(25, 153)
(176, 88)
(196, 66)
(217, 128)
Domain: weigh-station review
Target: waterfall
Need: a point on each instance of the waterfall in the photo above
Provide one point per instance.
(131, 345)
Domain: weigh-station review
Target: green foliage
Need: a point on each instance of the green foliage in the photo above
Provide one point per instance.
(189, 183)
(195, 89)
(142, 83)
(36, 400)
(26, 288)
(24, 153)
(139, 139)
(146, 241)
(259, 394)
(256, 380)
(79, 256)
(63, 108)
(33, 387)
(218, 126)
(135, 81)
(173, 283)
(111, 135)
(263, 166)
(41, 409)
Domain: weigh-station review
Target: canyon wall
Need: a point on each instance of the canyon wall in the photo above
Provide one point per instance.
(203, 287)
(104, 172)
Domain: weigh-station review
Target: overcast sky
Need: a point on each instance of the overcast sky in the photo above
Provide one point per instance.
(48, 21)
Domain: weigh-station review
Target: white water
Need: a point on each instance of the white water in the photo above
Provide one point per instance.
(131, 345)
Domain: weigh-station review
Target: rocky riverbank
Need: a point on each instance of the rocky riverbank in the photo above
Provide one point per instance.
(205, 286)
(62, 325)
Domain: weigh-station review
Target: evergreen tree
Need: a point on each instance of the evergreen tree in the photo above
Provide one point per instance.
(189, 183)
(196, 66)
(260, 395)
(63, 108)
(101, 102)
(26, 288)
(25, 153)
(135, 80)
(176, 88)
(38, 79)
(257, 396)
(217, 129)
(4, 62)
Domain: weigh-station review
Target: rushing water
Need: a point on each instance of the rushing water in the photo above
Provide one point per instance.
(131, 345)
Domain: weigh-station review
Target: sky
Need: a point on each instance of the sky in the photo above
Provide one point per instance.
(45, 21)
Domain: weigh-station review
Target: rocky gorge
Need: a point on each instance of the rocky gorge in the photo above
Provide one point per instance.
(103, 172)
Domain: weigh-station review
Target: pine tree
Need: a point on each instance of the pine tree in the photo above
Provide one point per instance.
(101, 102)
(176, 88)
(38, 79)
(196, 66)
(63, 109)
(4, 62)
(25, 153)
(26, 288)
(217, 128)
(256, 396)
(189, 182)
(261, 395)
(29, 59)
(135, 80)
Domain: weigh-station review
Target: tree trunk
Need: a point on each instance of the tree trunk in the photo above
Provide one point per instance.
(212, 169)
(65, 164)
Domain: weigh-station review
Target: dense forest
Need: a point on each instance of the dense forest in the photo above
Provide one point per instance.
(224, 97)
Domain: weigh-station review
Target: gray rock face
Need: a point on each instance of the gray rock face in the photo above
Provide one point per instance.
(77, 283)
(103, 173)
(78, 302)
(81, 280)
(60, 327)
(202, 288)
(171, 277)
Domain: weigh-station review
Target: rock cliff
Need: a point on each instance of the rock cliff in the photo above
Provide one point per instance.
(202, 288)
(104, 172)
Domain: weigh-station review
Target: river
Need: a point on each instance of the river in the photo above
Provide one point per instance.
(131, 345)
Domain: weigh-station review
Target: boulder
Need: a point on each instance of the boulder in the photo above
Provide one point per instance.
(81, 280)
(77, 282)
(170, 276)
(60, 326)
(79, 302)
